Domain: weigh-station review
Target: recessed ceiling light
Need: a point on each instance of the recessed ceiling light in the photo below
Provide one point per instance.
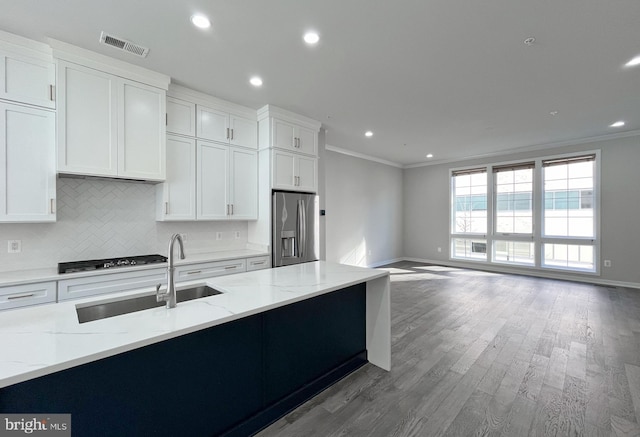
(430, 155)
(200, 21)
(311, 38)
(255, 81)
(529, 41)
(368, 133)
(553, 113)
(632, 63)
(617, 124)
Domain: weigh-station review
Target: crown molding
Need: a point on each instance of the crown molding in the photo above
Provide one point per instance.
(362, 156)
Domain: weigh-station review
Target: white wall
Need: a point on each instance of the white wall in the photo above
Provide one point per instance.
(107, 219)
(363, 200)
(426, 212)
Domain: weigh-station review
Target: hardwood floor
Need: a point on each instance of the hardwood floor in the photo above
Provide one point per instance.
(476, 353)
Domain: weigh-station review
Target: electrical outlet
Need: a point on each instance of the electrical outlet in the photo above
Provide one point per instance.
(218, 235)
(607, 263)
(14, 246)
(236, 234)
(439, 249)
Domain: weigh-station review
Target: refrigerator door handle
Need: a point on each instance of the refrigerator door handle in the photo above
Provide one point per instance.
(300, 231)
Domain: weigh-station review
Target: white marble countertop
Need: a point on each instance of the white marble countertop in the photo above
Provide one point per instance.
(51, 274)
(39, 340)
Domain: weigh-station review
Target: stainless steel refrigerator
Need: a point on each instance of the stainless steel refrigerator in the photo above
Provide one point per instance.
(295, 228)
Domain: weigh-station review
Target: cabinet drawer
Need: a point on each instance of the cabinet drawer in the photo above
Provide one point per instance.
(112, 283)
(28, 294)
(258, 263)
(207, 270)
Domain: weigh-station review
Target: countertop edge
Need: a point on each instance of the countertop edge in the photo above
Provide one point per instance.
(136, 344)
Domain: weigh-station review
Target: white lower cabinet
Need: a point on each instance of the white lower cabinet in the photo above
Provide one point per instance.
(76, 288)
(294, 172)
(27, 164)
(206, 270)
(25, 295)
(258, 263)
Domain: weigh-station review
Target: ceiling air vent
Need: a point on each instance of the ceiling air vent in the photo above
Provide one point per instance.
(123, 44)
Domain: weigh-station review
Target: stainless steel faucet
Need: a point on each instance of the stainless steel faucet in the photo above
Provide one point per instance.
(169, 295)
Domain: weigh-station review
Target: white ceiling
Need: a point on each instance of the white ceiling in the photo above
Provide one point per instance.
(448, 77)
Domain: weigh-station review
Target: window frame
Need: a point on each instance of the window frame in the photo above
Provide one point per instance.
(537, 236)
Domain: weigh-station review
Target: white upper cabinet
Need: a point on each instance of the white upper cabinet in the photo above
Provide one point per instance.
(27, 164)
(212, 181)
(227, 182)
(141, 130)
(293, 137)
(181, 117)
(109, 126)
(27, 80)
(176, 197)
(243, 184)
(224, 127)
(294, 172)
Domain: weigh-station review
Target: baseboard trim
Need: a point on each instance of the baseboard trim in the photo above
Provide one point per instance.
(384, 263)
(284, 406)
(537, 274)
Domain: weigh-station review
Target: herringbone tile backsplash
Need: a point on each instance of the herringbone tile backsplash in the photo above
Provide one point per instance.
(107, 219)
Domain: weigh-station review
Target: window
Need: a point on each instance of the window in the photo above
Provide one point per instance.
(469, 199)
(540, 214)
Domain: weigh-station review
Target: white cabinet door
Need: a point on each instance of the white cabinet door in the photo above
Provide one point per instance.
(213, 124)
(87, 121)
(307, 141)
(243, 186)
(27, 80)
(177, 195)
(27, 164)
(283, 134)
(306, 170)
(212, 178)
(244, 132)
(181, 117)
(16, 296)
(141, 127)
(282, 172)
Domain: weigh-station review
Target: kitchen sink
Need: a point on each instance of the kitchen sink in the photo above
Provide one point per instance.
(132, 304)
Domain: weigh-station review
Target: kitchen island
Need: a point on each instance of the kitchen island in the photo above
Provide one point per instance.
(229, 363)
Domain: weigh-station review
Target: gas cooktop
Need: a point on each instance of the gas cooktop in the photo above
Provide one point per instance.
(109, 263)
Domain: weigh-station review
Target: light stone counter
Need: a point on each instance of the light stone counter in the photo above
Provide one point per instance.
(51, 274)
(36, 341)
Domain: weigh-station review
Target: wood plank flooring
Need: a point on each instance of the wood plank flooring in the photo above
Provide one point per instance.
(486, 354)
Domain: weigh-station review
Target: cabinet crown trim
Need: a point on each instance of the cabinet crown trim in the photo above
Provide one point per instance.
(97, 61)
(268, 111)
(199, 98)
(24, 46)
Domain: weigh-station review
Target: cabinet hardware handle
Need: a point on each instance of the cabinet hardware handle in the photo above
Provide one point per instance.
(230, 267)
(231, 209)
(257, 263)
(227, 133)
(20, 297)
(194, 272)
(166, 207)
(166, 119)
(52, 206)
(52, 93)
(231, 133)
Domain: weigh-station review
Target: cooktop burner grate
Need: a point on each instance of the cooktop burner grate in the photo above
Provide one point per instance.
(109, 263)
